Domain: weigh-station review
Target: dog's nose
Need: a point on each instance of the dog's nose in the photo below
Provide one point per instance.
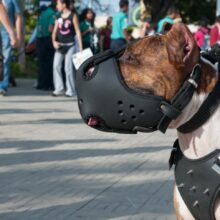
(92, 121)
(90, 71)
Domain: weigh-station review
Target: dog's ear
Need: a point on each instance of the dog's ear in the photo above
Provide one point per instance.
(181, 47)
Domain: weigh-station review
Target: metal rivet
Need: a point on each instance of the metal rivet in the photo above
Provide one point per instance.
(181, 185)
(206, 191)
(193, 188)
(196, 203)
(189, 172)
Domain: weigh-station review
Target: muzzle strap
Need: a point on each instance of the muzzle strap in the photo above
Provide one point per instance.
(208, 107)
(173, 109)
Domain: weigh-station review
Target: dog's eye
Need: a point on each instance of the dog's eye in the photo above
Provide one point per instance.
(129, 58)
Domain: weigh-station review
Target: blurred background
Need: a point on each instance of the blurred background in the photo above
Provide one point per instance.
(140, 11)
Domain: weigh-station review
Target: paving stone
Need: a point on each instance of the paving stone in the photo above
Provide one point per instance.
(53, 166)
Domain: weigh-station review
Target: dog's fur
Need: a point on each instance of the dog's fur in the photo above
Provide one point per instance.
(159, 64)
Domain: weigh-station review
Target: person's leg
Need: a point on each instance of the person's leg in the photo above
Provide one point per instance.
(69, 72)
(57, 73)
(47, 80)
(50, 63)
(40, 62)
(6, 51)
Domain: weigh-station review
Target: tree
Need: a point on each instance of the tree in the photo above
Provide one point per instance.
(194, 10)
(191, 10)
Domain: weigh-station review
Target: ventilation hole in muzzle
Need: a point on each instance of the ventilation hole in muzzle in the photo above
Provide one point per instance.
(120, 103)
(141, 111)
(134, 118)
(123, 121)
(132, 107)
(120, 112)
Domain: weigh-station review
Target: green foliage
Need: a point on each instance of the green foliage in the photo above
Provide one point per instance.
(30, 22)
(30, 70)
(193, 10)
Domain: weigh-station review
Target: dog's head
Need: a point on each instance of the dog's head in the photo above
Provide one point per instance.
(158, 68)
(159, 64)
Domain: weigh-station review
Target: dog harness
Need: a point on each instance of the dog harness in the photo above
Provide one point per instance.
(198, 181)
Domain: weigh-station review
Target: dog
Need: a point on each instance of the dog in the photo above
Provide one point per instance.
(156, 82)
(159, 64)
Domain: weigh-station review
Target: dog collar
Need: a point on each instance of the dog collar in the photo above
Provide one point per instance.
(107, 104)
(205, 111)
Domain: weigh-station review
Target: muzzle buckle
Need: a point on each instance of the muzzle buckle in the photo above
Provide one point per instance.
(193, 82)
(169, 110)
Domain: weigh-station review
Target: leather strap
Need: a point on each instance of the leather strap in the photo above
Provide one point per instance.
(204, 113)
(180, 100)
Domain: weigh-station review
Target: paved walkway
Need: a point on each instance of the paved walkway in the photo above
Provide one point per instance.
(54, 167)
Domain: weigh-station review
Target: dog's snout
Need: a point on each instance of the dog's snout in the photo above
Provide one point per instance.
(92, 121)
(90, 71)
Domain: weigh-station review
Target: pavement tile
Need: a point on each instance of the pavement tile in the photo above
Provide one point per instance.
(53, 166)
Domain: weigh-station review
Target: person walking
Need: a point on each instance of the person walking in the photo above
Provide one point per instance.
(45, 50)
(87, 29)
(63, 37)
(7, 25)
(119, 35)
(105, 35)
(215, 32)
(201, 36)
(172, 15)
(15, 16)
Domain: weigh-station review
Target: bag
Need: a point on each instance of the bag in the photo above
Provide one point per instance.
(1, 61)
(80, 57)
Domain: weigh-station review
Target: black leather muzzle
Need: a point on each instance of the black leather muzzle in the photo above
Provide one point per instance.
(107, 104)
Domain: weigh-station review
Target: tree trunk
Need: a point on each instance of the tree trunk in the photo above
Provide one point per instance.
(159, 8)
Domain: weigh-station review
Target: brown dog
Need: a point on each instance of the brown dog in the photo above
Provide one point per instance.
(159, 64)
